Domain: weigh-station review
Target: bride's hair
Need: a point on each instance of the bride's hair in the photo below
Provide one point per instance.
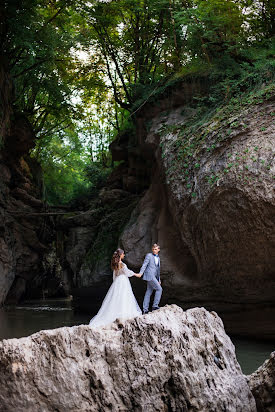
(116, 258)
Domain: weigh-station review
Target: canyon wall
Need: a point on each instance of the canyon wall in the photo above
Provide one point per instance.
(211, 207)
(25, 229)
(203, 188)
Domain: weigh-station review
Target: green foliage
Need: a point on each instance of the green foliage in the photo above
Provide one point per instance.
(112, 220)
(80, 71)
(37, 46)
(69, 172)
(134, 37)
(214, 28)
(63, 163)
(96, 175)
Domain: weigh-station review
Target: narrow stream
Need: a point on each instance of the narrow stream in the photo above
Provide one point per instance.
(32, 316)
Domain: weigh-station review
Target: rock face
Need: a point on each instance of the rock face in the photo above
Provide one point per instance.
(87, 241)
(209, 203)
(23, 234)
(163, 361)
(29, 265)
(42, 255)
(262, 385)
(211, 207)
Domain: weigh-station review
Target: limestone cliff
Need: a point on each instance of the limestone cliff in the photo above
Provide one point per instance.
(168, 360)
(210, 203)
(211, 207)
(24, 234)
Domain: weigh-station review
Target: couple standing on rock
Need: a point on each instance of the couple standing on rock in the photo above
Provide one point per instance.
(120, 301)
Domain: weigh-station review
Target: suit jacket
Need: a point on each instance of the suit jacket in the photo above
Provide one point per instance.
(149, 268)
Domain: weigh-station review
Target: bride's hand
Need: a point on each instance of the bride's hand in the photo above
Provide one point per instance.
(138, 275)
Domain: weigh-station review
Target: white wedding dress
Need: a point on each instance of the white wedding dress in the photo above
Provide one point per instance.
(119, 301)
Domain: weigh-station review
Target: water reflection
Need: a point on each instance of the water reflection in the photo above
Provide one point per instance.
(23, 320)
(30, 317)
(252, 353)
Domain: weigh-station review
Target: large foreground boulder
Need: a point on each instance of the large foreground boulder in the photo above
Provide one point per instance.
(168, 360)
(262, 385)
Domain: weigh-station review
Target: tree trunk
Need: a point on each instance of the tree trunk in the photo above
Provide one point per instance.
(6, 98)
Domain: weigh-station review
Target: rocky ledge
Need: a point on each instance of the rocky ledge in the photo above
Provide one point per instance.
(169, 360)
(262, 385)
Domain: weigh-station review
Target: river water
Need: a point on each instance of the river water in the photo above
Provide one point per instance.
(30, 317)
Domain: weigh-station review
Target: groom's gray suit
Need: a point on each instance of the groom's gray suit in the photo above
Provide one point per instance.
(151, 273)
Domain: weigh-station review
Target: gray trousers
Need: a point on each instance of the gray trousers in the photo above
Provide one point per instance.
(151, 286)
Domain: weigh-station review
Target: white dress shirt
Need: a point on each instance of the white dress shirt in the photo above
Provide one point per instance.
(156, 259)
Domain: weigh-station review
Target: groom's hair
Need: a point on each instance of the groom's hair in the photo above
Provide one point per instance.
(155, 245)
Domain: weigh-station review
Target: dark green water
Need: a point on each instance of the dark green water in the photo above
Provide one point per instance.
(23, 320)
(30, 317)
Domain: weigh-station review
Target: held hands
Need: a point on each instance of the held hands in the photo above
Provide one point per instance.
(138, 275)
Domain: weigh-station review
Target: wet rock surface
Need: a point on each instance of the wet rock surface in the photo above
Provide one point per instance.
(166, 360)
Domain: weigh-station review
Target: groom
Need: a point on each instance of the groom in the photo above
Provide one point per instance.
(151, 273)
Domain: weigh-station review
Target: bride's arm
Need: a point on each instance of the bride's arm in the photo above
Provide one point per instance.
(129, 272)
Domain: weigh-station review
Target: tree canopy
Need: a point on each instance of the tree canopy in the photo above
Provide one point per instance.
(80, 70)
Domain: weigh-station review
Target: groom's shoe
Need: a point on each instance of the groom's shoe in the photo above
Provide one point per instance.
(156, 308)
(145, 311)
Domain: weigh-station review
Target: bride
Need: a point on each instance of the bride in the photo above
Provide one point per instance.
(119, 301)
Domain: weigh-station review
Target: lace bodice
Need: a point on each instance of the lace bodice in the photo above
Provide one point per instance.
(123, 271)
